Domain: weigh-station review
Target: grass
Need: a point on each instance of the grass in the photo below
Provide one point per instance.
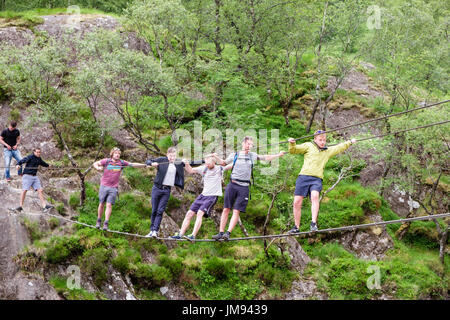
(61, 287)
(31, 18)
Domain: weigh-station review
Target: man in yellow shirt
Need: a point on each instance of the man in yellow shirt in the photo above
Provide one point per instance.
(309, 181)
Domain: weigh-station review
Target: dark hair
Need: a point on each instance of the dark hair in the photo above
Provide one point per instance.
(13, 124)
(36, 149)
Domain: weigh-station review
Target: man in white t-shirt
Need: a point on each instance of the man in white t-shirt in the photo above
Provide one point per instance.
(203, 204)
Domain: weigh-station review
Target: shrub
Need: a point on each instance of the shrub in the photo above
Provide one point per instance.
(175, 265)
(125, 258)
(94, 262)
(220, 268)
(150, 276)
(62, 248)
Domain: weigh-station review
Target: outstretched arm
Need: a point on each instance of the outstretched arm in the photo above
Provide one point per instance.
(270, 157)
(341, 147)
(137, 165)
(297, 148)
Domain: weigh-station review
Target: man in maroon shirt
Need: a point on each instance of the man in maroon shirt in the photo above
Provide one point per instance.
(112, 168)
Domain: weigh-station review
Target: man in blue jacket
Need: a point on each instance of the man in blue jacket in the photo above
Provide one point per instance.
(170, 173)
(30, 178)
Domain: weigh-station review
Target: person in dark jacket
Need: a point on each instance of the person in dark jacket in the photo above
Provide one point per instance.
(30, 178)
(10, 139)
(170, 173)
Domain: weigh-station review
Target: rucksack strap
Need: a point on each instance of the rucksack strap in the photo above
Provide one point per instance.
(251, 170)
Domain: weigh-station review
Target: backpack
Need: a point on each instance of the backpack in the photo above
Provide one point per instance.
(232, 168)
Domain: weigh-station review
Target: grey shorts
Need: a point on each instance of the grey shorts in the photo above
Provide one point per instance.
(107, 194)
(29, 181)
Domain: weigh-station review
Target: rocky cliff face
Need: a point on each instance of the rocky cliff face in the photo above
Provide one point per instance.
(14, 284)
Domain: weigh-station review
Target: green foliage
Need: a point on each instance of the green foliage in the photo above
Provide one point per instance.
(34, 230)
(94, 263)
(150, 276)
(244, 70)
(115, 6)
(175, 265)
(220, 268)
(126, 260)
(60, 249)
(60, 285)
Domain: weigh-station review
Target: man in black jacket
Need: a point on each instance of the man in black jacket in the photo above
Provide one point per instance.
(30, 178)
(10, 139)
(169, 174)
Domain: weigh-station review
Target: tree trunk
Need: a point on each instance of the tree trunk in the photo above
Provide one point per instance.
(243, 227)
(217, 30)
(286, 106)
(82, 190)
(443, 245)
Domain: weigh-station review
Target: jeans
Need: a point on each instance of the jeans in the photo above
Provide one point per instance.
(160, 198)
(7, 156)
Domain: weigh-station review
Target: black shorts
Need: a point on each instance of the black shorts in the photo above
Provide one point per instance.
(236, 197)
(305, 184)
(204, 203)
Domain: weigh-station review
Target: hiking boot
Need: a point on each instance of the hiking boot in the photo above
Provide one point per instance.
(313, 227)
(294, 230)
(217, 236)
(105, 226)
(226, 236)
(47, 208)
(176, 236)
(99, 223)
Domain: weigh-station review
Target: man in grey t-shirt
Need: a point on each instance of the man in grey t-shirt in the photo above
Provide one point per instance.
(203, 204)
(237, 191)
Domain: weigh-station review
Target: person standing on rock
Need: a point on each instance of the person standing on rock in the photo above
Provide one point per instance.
(309, 181)
(204, 203)
(10, 138)
(30, 178)
(109, 184)
(237, 192)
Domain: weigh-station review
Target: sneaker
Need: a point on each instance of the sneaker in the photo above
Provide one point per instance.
(152, 234)
(105, 226)
(8, 179)
(226, 236)
(313, 227)
(190, 237)
(18, 209)
(217, 236)
(176, 236)
(99, 223)
(294, 230)
(47, 207)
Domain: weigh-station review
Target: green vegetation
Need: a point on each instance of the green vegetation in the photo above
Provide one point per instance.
(249, 65)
